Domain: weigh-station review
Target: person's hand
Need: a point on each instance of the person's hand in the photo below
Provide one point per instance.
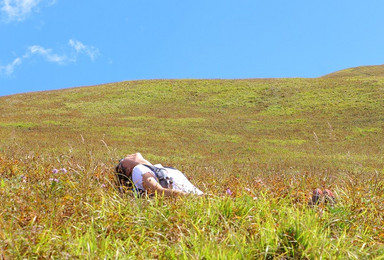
(151, 185)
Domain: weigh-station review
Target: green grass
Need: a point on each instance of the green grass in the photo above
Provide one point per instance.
(293, 134)
(362, 71)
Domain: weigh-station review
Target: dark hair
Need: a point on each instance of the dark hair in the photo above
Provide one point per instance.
(123, 180)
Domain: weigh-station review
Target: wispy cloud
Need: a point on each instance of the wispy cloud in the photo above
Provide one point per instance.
(77, 49)
(19, 10)
(9, 68)
(90, 51)
(47, 54)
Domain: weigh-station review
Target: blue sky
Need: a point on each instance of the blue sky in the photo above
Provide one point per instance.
(54, 44)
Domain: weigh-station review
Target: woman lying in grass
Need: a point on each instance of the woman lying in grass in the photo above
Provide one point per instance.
(136, 172)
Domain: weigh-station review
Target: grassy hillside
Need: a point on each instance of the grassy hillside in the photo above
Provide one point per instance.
(362, 71)
(270, 141)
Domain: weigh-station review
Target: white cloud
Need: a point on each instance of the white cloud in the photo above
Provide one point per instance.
(50, 56)
(19, 10)
(9, 68)
(90, 51)
(47, 54)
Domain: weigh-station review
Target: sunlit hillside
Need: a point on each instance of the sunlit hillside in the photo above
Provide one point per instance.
(270, 141)
(362, 71)
(211, 122)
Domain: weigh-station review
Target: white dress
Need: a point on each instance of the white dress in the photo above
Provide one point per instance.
(180, 182)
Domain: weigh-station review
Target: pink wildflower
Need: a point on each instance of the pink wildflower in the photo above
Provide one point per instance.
(54, 179)
(64, 170)
(229, 192)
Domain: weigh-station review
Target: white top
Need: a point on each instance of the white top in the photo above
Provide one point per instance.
(180, 182)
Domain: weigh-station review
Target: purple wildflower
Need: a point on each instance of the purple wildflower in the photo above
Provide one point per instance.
(55, 171)
(64, 170)
(54, 179)
(229, 192)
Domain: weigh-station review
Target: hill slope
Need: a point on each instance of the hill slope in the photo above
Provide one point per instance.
(255, 118)
(362, 71)
(269, 141)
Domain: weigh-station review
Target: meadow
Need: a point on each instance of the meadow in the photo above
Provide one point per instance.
(256, 147)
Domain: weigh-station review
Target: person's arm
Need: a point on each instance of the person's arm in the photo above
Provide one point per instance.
(151, 185)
